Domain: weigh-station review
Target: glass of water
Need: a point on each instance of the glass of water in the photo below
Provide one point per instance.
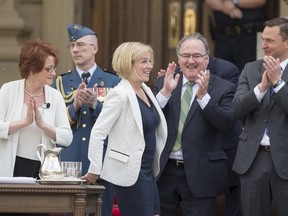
(71, 170)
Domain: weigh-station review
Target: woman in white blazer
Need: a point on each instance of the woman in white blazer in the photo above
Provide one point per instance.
(137, 133)
(31, 112)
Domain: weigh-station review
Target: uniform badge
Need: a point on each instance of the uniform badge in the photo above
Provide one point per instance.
(102, 93)
(101, 83)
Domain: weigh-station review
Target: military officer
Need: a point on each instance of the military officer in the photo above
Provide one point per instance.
(84, 90)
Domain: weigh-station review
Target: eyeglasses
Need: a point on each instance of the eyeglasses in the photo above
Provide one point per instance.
(79, 45)
(50, 69)
(195, 56)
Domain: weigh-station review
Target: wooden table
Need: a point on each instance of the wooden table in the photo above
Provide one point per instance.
(39, 198)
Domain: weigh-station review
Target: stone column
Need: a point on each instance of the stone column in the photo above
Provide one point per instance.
(57, 15)
(283, 8)
(10, 26)
(260, 53)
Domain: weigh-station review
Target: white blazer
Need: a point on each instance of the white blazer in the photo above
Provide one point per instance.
(11, 106)
(121, 119)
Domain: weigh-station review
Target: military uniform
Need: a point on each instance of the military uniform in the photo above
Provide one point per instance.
(82, 121)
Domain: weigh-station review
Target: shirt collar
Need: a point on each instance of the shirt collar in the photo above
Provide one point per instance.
(91, 70)
(185, 82)
(283, 65)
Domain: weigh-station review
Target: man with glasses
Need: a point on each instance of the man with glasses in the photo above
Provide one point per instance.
(84, 90)
(193, 163)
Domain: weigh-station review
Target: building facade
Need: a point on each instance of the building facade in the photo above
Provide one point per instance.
(160, 23)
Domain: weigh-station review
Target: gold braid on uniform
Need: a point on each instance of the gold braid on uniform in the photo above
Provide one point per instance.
(69, 118)
(68, 98)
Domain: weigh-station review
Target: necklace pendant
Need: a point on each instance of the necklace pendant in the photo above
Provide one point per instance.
(33, 96)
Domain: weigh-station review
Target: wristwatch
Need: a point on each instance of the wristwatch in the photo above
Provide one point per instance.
(235, 2)
(278, 83)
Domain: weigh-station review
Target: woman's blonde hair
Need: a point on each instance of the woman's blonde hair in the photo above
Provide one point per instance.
(127, 54)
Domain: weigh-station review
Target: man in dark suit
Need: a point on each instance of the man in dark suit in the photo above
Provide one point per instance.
(261, 103)
(228, 71)
(194, 174)
(84, 90)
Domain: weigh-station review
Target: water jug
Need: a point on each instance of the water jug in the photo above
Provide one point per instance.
(50, 163)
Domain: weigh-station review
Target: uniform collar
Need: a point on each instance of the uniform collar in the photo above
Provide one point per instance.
(91, 70)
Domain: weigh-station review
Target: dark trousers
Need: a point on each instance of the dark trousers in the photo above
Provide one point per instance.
(232, 198)
(175, 192)
(26, 168)
(108, 197)
(232, 202)
(260, 186)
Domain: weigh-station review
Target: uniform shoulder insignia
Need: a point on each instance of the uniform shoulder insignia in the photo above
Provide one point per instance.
(65, 73)
(110, 72)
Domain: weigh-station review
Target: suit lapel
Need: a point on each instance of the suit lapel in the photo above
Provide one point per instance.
(267, 98)
(97, 77)
(284, 77)
(134, 105)
(176, 101)
(74, 81)
(195, 106)
(285, 74)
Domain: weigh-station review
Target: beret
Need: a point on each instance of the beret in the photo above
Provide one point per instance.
(76, 31)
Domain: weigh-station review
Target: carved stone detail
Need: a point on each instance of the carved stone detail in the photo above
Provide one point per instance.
(10, 26)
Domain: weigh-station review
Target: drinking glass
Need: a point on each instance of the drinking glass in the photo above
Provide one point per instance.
(71, 169)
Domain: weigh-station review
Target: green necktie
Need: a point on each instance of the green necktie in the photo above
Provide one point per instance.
(185, 106)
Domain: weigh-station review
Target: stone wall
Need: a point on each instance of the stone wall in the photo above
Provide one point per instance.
(21, 20)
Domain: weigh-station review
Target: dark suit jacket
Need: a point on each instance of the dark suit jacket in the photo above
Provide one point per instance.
(224, 69)
(85, 118)
(228, 71)
(256, 116)
(203, 154)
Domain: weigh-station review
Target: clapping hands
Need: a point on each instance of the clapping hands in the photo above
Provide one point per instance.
(202, 81)
(170, 80)
(86, 96)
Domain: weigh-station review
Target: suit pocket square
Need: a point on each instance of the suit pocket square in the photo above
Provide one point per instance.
(118, 156)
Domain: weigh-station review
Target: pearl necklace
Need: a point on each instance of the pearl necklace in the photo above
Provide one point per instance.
(31, 95)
